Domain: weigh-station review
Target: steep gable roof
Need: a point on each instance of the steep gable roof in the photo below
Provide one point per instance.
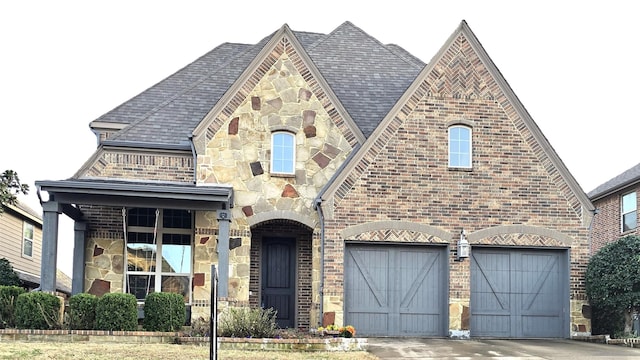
(461, 80)
(367, 78)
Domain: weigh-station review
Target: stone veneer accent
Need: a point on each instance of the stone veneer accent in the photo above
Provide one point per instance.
(239, 153)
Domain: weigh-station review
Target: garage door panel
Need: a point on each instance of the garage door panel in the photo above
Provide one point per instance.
(492, 285)
(531, 280)
(498, 324)
(418, 280)
(395, 290)
(369, 283)
(375, 323)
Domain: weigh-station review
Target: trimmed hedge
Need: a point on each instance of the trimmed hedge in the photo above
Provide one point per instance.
(8, 297)
(164, 311)
(37, 310)
(117, 311)
(82, 311)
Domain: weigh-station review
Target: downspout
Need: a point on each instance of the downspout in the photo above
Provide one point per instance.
(590, 230)
(318, 207)
(317, 204)
(195, 159)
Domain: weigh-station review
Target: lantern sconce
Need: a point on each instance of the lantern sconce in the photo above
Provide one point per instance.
(463, 247)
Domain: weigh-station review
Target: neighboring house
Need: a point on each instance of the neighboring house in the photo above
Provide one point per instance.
(21, 244)
(332, 177)
(616, 203)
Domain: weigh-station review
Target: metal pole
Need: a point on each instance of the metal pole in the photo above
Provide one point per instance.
(213, 329)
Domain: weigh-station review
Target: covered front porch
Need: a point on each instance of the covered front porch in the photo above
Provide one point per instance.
(94, 205)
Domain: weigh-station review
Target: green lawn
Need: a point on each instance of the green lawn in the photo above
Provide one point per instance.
(56, 350)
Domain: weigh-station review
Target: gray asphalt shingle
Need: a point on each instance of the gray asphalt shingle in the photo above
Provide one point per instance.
(367, 76)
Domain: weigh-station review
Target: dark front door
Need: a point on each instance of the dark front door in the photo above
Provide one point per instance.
(279, 278)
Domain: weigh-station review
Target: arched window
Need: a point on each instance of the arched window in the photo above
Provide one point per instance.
(283, 154)
(460, 146)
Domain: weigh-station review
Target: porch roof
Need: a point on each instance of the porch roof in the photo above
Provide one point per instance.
(133, 193)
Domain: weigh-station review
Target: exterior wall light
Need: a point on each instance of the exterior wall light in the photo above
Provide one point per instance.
(463, 247)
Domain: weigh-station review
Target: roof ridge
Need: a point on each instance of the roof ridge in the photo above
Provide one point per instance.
(369, 36)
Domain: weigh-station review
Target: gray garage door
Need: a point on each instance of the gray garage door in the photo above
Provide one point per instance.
(396, 290)
(517, 293)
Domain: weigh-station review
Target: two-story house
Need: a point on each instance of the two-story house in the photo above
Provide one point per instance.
(21, 244)
(616, 202)
(339, 180)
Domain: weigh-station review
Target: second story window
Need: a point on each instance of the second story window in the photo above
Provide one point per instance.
(27, 239)
(283, 145)
(460, 146)
(629, 212)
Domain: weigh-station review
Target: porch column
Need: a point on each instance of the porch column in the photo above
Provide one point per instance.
(48, 263)
(224, 219)
(79, 235)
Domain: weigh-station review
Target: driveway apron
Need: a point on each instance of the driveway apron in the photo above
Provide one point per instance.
(430, 348)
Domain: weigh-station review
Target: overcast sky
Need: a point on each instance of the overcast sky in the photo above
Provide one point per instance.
(573, 64)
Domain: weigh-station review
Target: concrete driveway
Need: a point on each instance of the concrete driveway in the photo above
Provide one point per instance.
(419, 348)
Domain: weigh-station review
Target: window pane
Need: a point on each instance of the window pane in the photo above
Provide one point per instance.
(629, 202)
(176, 253)
(282, 153)
(176, 284)
(176, 219)
(141, 252)
(629, 221)
(459, 146)
(28, 231)
(141, 217)
(28, 248)
(141, 285)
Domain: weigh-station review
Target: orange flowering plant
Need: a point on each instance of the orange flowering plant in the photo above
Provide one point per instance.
(343, 331)
(347, 331)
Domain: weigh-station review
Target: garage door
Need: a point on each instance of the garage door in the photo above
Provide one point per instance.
(518, 293)
(396, 290)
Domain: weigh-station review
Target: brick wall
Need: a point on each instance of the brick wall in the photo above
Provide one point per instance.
(405, 177)
(606, 226)
(143, 166)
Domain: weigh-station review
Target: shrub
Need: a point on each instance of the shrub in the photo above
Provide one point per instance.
(8, 297)
(244, 322)
(117, 311)
(613, 284)
(8, 276)
(164, 311)
(200, 327)
(37, 310)
(82, 311)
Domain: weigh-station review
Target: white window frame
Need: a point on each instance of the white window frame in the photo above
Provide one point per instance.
(25, 239)
(633, 208)
(452, 152)
(274, 152)
(157, 272)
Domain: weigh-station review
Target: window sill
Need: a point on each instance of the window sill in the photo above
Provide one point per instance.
(281, 175)
(463, 169)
